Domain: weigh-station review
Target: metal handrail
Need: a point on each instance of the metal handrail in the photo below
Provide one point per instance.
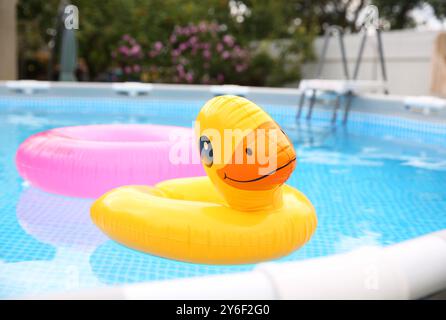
(329, 32)
(371, 25)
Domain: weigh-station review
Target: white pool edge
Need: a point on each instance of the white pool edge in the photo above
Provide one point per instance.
(412, 269)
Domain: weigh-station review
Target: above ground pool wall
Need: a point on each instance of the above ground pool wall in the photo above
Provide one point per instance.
(410, 270)
(414, 269)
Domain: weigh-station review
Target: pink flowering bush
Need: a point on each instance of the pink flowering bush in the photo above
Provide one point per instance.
(201, 53)
(205, 54)
(128, 59)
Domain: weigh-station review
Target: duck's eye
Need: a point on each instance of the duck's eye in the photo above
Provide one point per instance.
(248, 151)
(206, 152)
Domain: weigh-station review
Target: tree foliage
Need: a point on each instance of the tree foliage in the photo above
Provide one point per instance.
(253, 23)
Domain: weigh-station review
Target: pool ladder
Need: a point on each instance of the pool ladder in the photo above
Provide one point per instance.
(370, 22)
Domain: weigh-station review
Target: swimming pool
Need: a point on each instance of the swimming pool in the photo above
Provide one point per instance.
(379, 180)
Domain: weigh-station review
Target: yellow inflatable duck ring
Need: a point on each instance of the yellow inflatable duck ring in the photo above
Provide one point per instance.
(240, 213)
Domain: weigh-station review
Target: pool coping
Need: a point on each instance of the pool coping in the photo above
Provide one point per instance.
(388, 110)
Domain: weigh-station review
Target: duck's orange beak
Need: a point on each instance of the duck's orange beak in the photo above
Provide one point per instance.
(264, 160)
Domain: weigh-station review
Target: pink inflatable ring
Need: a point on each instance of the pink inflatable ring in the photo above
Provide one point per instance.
(87, 161)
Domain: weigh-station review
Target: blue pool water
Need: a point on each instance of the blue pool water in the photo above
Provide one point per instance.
(372, 183)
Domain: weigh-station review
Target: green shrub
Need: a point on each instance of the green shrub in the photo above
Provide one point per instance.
(205, 53)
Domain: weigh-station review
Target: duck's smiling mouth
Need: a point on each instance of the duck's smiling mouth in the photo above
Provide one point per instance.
(263, 176)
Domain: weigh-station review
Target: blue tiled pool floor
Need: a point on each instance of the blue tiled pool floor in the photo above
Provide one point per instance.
(371, 184)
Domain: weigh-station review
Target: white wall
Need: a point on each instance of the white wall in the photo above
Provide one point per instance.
(408, 57)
